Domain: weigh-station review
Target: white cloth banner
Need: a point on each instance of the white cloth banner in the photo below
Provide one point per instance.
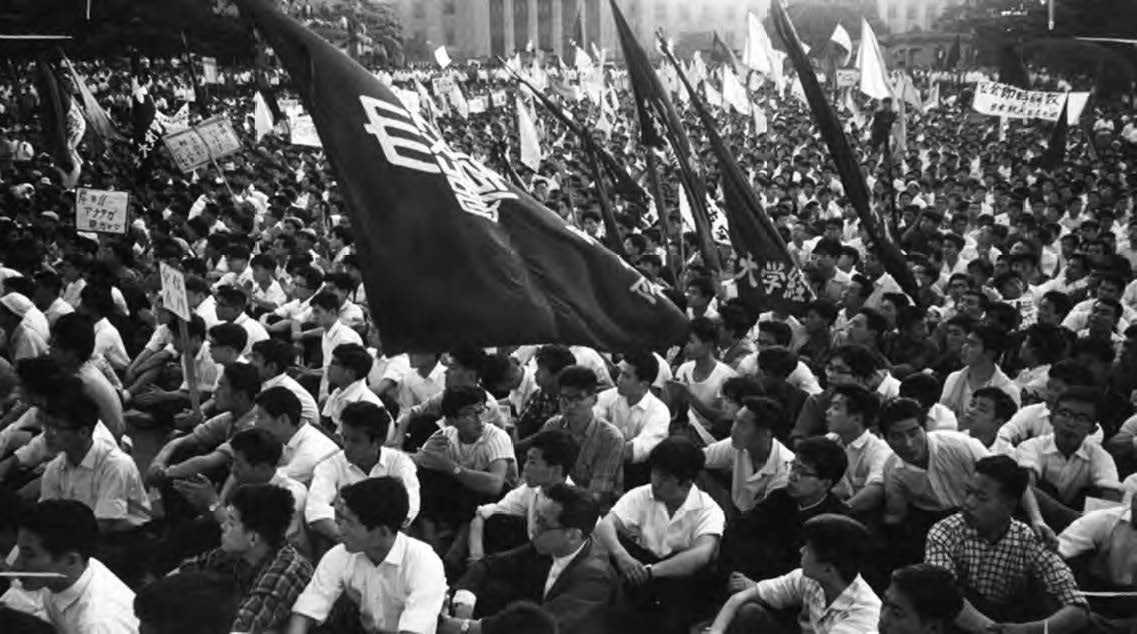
(1001, 100)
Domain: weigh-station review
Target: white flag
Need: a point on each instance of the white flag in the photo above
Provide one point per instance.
(841, 38)
(442, 57)
(870, 61)
(761, 125)
(262, 116)
(527, 135)
(933, 97)
(714, 98)
(458, 100)
(698, 69)
(582, 61)
(756, 53)
(733, 92)
(685, 210)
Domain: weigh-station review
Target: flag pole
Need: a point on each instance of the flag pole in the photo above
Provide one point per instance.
(615, 243)
(664, 221)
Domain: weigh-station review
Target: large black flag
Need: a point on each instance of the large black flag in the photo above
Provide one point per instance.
(454, 255)
(883, 244)
(652, 104)
(54, 105)
(768, 278)
(1056, 150)
(953, 54)
(1011, 69)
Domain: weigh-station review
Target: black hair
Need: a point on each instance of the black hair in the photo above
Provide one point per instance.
(378, 502)
(578, 377)
(63, 526)
(244, 379)
(229, 335)
(496, 369)
(1100, 349)
(280, 401)
(1005, 406)
(923, 387)
(678, 457)
(1048, 341)
(558, 448)
(645, 364)
(1081, 394)
(825, 456)
(737, 388)
(824, 308)
(74, 333)
(258, 446)
(368, 417)
(839, 541)
(232, 296)
(704, 285)
(1012, 478)
(326, 300)
(264, 261)
(554, 358)
(275, 352)
(861, 360)
(898, 409)
(768, 413)
(195, 327)
(736, 318)
(354, 358)
(778, 361)
(579, 508)
(455, 399)
(704, 329)
(931, 590)
(859, 400)
(72, 404)
(781, 331)
(40, 376)
(992, 337)
(469, 357)
(265, 509)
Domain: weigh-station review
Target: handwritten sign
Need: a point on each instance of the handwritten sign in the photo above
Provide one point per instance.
(209, 70)
(1000, 100)
(208, 141)
(848, 77)
(174, 297)
(101, 210)
(442, 86)
(303, 131)
(498, 98)
(477, 105)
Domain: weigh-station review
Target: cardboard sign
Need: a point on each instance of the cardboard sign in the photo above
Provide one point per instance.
(1000, 100)
(210, 140)
(848, 77)
(498, 98)
(442, 86)
(174, 297)
(304, 131)
(477, 105)
(101, 211)
(209, 70)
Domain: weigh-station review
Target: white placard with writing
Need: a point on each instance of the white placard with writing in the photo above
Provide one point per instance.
(1001, 100)
(174, 297)
(208, 141)
(101, 210)
(304, 131)
(209, 70)
(477, 105)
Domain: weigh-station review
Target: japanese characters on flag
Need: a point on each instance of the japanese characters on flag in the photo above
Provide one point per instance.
(1001, 100)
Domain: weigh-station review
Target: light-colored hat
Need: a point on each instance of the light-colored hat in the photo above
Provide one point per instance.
(17, 303)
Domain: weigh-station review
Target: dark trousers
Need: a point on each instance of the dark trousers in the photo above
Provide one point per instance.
(665, 606)
(446, 501)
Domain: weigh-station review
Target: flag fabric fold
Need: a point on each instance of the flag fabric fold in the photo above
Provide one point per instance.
(882, 243)
(262, 117)
(528, 139)
(870, 61)
(55, 107)
(98, 121)
(492, 266)
(652, 104)
(734, 93)
(768, 278)
(756, 54)
(1056, 149)
(841, 38)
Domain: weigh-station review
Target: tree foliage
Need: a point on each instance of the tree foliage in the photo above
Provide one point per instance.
(815, 21)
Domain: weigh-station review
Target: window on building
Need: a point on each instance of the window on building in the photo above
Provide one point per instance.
(448, 7)
(892, 11)
(911, 13)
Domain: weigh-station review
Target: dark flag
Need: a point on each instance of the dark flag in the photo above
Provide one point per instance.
(455, 255)
(54, 106)
(953, 54)
(143, 113)
(578, 29)
(768, 277)
(97, 118)
(652, 103)
(883, 244)
(260, 77)
(721, 53)
(201, 100)
(1056, 150)
(1011, 69)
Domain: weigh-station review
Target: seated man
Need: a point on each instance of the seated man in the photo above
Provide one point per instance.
(158, 406)
(599, 463)
(279, 411)
(272, 358)
(766, 542)
(347, 375)
(826, 594)
(466, 463)
(1066, 465)
(98, 474)
(396, 581)
(998, 563)
(988, 413)
(59, 537)
(851, 412)
(544, 403)
(922, 599)
(664, 535)
(464, 370)
(1105, 538)
(364, 429)
(187, 603)
(757, 462)
(560, 568)
(511, 522)
(268, 573)
(1032, 421)
(640, 416)
(850, 363)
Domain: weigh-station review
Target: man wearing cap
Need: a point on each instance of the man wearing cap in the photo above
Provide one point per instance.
(26, 326)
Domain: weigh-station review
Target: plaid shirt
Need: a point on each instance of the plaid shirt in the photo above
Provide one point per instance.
(540, 407)
(268, 591)
(600, 464)
(1000, 572)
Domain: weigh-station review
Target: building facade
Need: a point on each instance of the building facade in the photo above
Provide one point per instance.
(488, 28)
(903, 16)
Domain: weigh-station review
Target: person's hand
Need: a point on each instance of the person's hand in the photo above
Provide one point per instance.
(156, 475)
(198, 491)
(739, 582)
(187, 418)
(1046, 534)
(632, 570)
(462, 610)
(148, 397)
(449, 624)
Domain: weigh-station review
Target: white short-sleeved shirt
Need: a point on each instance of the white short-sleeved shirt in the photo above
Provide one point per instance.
(254, 332)
(106, 480)
(402, 593)
(416, 389)
(951, 461)
(98, 602)
(957, 389)
(309, 411)
(1033, 421)
(307, 448)
(707, 391)
(649, 525)
(1089, 466)
(1110, 535)
(341, 397)
(521, 501)
(274, 294)
(866, 456)
(855, 610)
(336, 472)
(592, 360)
(645, 424)
(332, 338)
(493, 444)
(395, 368)
(108, 344)
(748, 487)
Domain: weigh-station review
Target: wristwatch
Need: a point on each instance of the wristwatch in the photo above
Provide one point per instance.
(457, 472)
(213, 507)
(465, 627)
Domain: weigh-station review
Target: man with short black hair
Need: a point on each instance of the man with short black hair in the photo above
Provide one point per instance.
(268, 572)
(633, 409)
(347, 377)
(273, 358)
(757, 461)
(827, 591)
(922, 599)
(278, 411)
(397, 581)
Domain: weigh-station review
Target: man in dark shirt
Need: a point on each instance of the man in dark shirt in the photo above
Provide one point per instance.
(544, 403)
(882, 122)
(766, 542)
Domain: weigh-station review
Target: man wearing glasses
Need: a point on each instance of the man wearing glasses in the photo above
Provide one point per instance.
(467, 462)
(850, 363)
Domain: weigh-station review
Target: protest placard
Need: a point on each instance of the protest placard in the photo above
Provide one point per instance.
(209, 70)
(208, 141)
(102, 211)
(498, 98)
(174, 297)
(303, 131)
(477, 105)
(847, 77)
(1001, 100)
